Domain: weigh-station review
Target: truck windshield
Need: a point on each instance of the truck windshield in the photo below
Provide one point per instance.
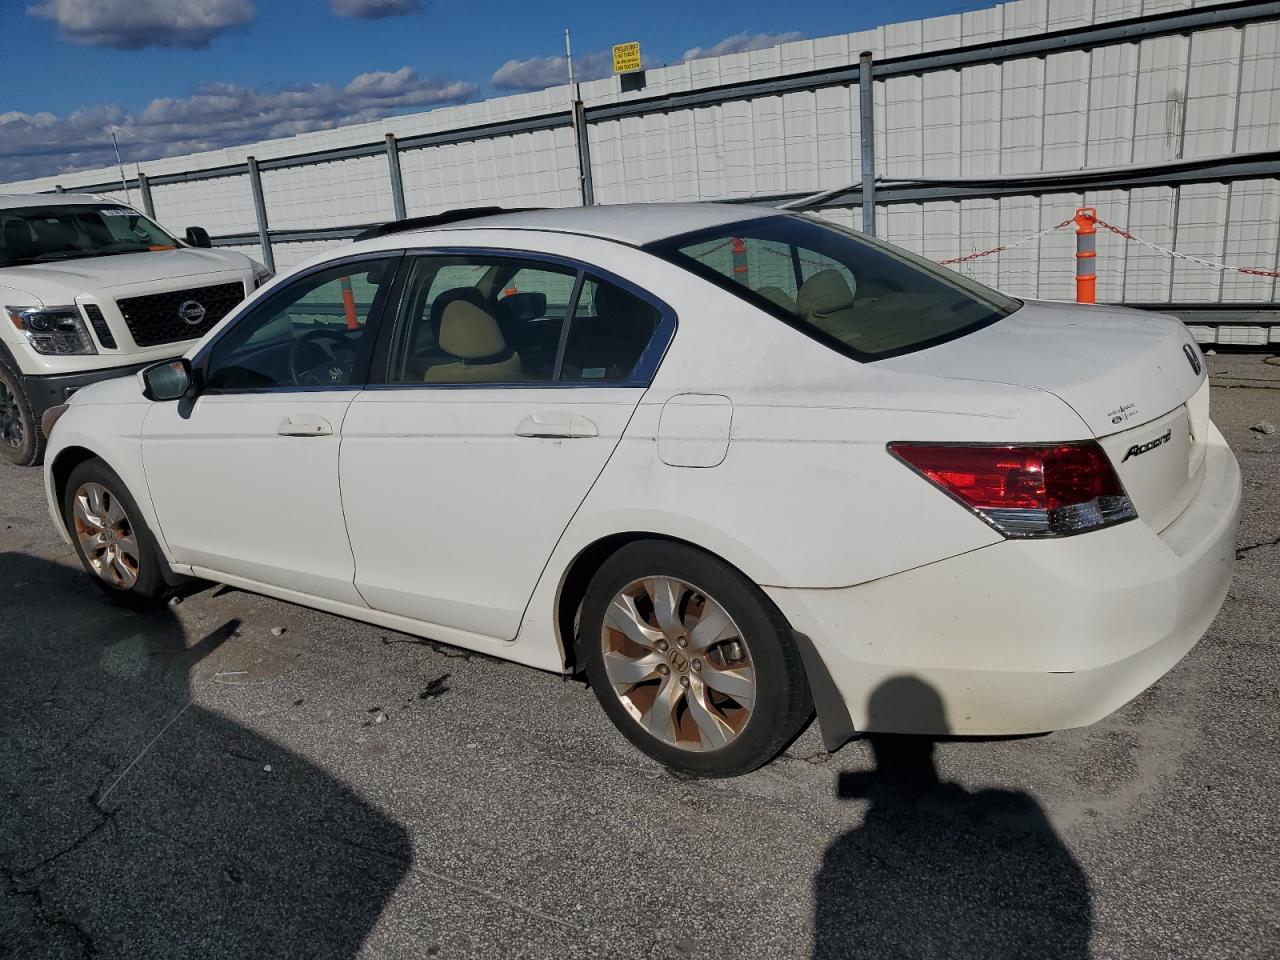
(860, 296)
(71, 231)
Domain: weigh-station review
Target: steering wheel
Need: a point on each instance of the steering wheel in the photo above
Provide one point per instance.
(327, 365)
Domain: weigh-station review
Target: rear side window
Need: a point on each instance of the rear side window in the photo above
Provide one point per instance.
(860, 296)
(494, 319)
(610, 330)
(481, 320)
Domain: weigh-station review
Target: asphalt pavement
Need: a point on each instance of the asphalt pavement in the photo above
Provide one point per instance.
(238, 777)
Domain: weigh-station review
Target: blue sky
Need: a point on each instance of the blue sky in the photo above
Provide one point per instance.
(180, 75)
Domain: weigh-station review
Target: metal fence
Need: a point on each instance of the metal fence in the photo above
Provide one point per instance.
(952, 135)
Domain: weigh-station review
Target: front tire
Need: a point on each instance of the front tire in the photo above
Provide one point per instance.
(691, 661)
(111, 537)
(21, 440)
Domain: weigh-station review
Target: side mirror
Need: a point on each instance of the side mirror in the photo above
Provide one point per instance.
(168, 380)
(198, 237)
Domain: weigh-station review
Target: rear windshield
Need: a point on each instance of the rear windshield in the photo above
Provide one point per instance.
(860, 296)
(73, 231)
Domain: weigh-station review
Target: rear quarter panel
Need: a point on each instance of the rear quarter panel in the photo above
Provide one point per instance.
(807, 495)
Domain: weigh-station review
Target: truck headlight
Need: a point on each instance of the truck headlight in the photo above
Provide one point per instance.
(53, 331)
(261, 275)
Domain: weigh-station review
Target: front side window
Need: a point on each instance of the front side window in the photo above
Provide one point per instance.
(308, 334)
(861, 296)
(487, 319)
(73, 231)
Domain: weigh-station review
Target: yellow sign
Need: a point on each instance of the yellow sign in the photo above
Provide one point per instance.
(626, 57)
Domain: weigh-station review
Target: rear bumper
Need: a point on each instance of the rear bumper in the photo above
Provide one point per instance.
(48, 390)
(1029, 636)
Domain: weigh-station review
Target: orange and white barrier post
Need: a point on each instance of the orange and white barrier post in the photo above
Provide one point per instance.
(739, 250)
(1086, 219)
(349, 303)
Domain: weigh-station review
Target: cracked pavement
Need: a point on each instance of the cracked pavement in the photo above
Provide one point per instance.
(186, 783)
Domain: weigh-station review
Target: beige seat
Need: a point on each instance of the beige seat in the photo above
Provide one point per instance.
(472, 337)
(778, 296)
(826, 301)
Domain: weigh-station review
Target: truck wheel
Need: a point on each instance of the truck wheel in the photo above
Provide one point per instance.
(21, 441)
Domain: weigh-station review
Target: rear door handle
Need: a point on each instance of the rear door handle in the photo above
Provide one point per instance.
(305, 425)
(556, 424)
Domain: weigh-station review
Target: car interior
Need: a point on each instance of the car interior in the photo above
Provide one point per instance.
(305, 336)
(492, 329)
(855, 293)
(496, 321)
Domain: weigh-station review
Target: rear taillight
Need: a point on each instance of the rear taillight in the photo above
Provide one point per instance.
(1026, 491)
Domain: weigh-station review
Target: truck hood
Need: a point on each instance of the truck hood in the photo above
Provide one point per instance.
(64, 280)
(1117, 368)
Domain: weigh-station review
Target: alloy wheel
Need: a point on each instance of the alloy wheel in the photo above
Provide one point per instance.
(679, 664)
(11, 429)
(106, 535)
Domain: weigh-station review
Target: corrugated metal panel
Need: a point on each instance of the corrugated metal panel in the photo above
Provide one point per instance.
(220, 206)
(1214, 93)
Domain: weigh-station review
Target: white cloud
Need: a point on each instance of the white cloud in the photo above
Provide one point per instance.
(219, 115)
(133, 24)
(538, 73)
(376, 9)
(740, 43)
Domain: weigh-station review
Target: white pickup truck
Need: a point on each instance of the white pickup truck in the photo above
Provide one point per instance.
(92, 289)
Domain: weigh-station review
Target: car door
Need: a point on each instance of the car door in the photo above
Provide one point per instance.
(245, 477)
(509, 382)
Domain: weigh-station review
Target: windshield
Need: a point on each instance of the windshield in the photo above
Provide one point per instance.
(863, 297)
(71, 231)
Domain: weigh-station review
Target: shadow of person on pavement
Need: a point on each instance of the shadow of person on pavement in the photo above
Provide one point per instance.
(135, 821)
(936, 870)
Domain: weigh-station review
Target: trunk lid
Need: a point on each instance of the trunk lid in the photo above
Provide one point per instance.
(1136, 379)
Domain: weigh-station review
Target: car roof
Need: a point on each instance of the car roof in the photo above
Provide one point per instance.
(13, 201)
(632, 223)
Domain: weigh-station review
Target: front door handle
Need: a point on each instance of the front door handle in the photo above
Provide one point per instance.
(305, 425)
(558, 424)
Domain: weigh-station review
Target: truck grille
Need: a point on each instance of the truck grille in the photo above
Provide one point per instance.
(100, 326)
(156, 318)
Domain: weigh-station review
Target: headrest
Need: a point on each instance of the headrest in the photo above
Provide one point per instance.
(469, 333)
(467, 294)
(778, 296)
(824, 293)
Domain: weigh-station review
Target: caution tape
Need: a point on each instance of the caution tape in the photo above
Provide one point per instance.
(1214, 264)
(1006, 246)
(1124, 234)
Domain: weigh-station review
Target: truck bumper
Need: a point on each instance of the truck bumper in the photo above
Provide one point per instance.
(48, 390)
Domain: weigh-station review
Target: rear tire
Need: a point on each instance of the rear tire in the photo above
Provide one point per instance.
(21, 440)
(713, 702)
(111, 537)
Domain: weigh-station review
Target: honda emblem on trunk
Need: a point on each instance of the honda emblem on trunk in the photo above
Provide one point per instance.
(1192, 354)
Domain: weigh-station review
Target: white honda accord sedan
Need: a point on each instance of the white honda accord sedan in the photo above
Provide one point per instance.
(734, 464)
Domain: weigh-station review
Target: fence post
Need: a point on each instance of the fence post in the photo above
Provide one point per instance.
(397, 185)
(260, 209)
(144, 187)
(867, 132)
(583, 144)
(1086, 255)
